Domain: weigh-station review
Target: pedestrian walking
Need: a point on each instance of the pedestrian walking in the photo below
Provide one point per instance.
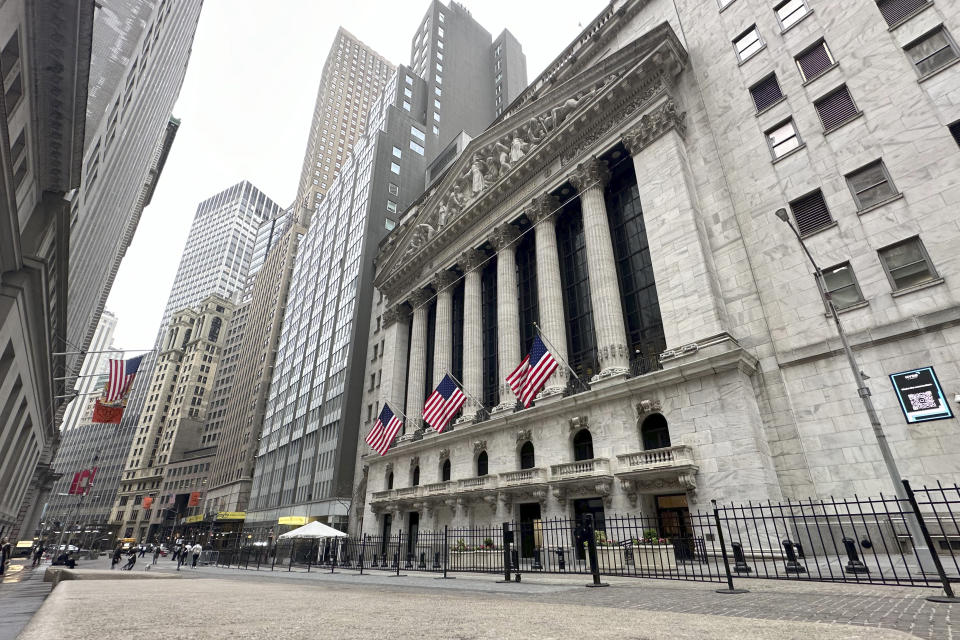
(156, 554)
(196, 550)
(115, 559)
(5, 552)
(182, 557)
(143, 550)
(37, 555)
(131, 560)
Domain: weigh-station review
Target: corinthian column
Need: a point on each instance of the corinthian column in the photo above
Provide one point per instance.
(508, 309)
(394, 371)
(470, 262)
(443, 332)
(417, 371)
(589, 178)
(543, 213)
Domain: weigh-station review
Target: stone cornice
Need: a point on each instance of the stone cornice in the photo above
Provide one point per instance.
(471, 259)
(501, 165)
(503, 236)
(653, 125)
(443, 279)
(592, 172)
(734, 359)
(541, 208)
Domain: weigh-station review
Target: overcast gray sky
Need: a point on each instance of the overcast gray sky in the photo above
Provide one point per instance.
(246, 106)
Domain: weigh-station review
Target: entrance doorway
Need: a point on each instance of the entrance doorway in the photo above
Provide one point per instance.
(593, 506)
(673, 519)
(529, 513)
(385, 538)
(413, 528)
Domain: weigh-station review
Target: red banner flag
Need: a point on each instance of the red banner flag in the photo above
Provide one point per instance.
(106, 414)
(194, 499)
(82, 481)
(147, 502)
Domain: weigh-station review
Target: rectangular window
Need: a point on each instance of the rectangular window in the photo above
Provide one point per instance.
(955, 131)
(783, 139)
(811, 213)
(789, 12)
(440, 16)
(409, 80)
(871, 185)
(439, 68)
(396, 152)
(391, 206)
(907, 264)
(931, 51)
(393, 189)
(407, 92)
(419, 135)
(815, 61)
(438, 91)
(896, 11)
(436, 103)
(440, 31)
(389, 224)
(842, 287)
(394, 167)
(439, 80)
(436, 116)
(766, 92)
(406, 105)
(835, 108)
(436, 130)
(748, 43)
(416, 147)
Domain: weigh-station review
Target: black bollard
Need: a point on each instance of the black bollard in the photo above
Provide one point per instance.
(436, 560)
(515, 558)
(423, 561)
(590, 534)
(792, 566)
(536, 560)
(739, 560)
(854, 564)
(396, 560)
(561, 562)
(409, 564)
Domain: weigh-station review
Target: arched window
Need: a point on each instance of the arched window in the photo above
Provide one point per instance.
(527, 459)
(445, 470)
(583, 445)
(482, 464)
(654, 432)
(415, 481)
(390, 481)
(214, 329)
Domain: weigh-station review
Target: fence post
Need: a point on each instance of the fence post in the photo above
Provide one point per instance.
(446, 554)
(310, 556)
(396, 556)
(723, 550)
(273, 560)
(739, 560)
(507, 537)
(333, 554)
(293, 545)
(592, 551)
(944, 580)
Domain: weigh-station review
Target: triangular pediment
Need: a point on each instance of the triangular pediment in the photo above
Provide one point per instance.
(505, 155)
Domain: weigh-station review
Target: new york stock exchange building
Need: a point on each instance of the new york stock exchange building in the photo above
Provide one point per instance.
(623, 206)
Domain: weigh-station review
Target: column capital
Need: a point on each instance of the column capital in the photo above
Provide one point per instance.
(589, 173)
(504, 235)
(392, 315)
(471, 259)
(443, 279)
(542, 208)
(419, 297)
(653, 125)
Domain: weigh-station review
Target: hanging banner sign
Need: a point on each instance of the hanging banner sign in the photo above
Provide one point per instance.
(920, 395)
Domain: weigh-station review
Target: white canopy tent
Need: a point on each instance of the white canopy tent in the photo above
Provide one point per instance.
(314, 530)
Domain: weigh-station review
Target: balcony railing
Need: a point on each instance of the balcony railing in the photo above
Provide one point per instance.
(522, 477)
(480, 482)
(580, 469)
(676, 456)
(641, 365)
(381, 496)
(438, 488)
(407, 492)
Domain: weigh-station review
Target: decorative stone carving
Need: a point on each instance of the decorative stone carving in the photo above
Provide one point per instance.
(560, 496)
(524, 434)
(444, 279)
(504, 235)
(420, 297)
(414, 462)
(444, 453)
(471, 259)
(388, 468)
(419, 238)
(648, 406)
(630, 489)
(479, 445)
(542, 207)
(392, 315)
(579, 422)
(518, 148)
(505, 500)
(590, 173)
(476, 175)
(653, 125)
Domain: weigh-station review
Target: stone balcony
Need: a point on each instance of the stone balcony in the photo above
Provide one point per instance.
(581, 478)
(666, 469)
(579, 470)
(523, 478)
(480, 483)
(438, 489)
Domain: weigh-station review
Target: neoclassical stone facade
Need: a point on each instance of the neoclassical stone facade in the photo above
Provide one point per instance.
(716, 377)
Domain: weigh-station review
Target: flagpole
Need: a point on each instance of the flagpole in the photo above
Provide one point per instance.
(463, 388)
(554, 351)
(405, 417)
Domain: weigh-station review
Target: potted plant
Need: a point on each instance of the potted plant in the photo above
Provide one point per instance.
(489, 555)
(653, 553)
(609, 552)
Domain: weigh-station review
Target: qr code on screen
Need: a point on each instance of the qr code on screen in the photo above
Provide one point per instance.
(923, 400)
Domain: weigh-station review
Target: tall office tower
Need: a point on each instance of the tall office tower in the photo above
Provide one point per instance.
(86, 384)
(140, 53)
(243, 381)
(169, 431)
(470, 76)
(215, 260)
(44, 65)
(353, 76)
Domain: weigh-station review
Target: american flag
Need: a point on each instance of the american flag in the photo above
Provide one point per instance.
(121, 377)
(384, 431)
(518, 378)
(442, 404)
(541, 364)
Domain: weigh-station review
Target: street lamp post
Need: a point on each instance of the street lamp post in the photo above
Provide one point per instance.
(923, 553)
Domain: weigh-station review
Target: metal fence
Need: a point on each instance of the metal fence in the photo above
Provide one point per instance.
(913, 541)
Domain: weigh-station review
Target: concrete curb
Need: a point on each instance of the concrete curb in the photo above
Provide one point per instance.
(59, 574)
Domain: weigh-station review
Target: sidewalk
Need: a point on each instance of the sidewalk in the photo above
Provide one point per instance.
(22, 592)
